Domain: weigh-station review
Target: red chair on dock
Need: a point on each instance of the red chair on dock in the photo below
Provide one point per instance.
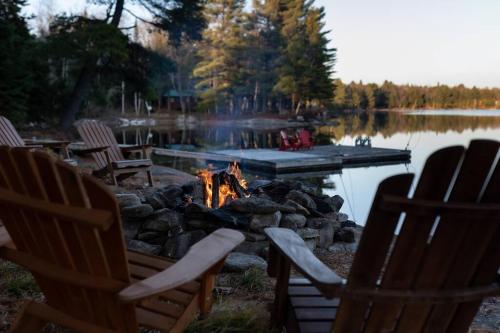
(306, 140)
(286, 144)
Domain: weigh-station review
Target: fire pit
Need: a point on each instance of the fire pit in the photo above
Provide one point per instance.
(168, 220)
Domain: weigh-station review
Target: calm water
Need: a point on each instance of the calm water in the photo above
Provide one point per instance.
(421, 132)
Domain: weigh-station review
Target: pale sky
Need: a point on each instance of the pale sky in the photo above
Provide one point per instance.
(416, 41)
(405, 41)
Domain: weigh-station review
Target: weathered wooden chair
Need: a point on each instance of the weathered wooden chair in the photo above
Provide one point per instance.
(306, 140)
(285, 143)
(66, 229)
(10, 137)
(431, 277)
(103, 147)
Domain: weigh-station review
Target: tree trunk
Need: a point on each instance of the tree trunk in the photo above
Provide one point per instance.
(87, 74)
(80, 92)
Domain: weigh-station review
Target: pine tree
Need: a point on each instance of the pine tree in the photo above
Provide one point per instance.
(319, 85)
(268, 21)
(306, 61)
(220, 70)
(15, 74)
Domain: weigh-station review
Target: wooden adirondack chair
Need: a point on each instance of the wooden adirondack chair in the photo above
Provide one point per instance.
(306, 140)
(10, 137)
(66, 229)
(285, 142)
(431, 277)
(103, 147)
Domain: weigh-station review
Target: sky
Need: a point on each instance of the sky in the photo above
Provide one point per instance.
(421, 42)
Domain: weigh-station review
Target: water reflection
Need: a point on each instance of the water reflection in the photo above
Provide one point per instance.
(423, 134)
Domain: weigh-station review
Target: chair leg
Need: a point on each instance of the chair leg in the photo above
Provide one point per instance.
(150, 177)
(27, 323)
(113, 178)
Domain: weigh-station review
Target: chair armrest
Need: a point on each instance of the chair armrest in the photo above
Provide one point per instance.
(200, 258)
(135, 148)
(291, 246)
(48, 143)
(87, 151)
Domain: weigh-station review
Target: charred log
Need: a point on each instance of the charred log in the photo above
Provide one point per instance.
(215, 190)
(240, 191)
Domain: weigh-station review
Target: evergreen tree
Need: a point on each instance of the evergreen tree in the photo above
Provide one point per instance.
(319, 85)
(16, 79)
(220, 70)
(268, 21)
(306, 61)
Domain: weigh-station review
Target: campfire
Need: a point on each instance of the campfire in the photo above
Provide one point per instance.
(223, 186)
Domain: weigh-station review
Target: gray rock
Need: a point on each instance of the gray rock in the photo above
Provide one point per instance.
(297, 220)
(194, 189)
(336, 201)
(322, 205)
(326, 204)
(144, 247)
(227, 217)
(348, 224)
(137, 211)
(298, 207)
(179, 245)
(326, 236)
(308, 233)
(131, 228)
(288, 225)
(196, 211)
(253, 237)
(237, 262)
(254, 248)
(163, 220)
(172, 195)
(311, 243)
(256, 183)
(302, 199)
(260, 222)
(152, 237)
(128, 199)
(341, 217)
(155, 200)
(257, 205)
(316, 222)
(344, 235)
(205, 225)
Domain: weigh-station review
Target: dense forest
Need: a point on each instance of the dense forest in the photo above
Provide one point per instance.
(388, 95)
(230, 57)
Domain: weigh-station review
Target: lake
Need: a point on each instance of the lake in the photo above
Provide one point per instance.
(423, 132)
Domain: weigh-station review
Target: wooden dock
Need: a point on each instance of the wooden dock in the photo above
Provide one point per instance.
(331, 157)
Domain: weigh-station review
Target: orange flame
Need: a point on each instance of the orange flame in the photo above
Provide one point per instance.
(226, 193)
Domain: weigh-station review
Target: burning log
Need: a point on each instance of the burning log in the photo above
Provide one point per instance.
(240, 191)
(215, 190)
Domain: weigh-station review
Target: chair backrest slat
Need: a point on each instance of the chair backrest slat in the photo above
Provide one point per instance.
(372, 251)
(8, 134)
(305, 137)
(470, 267)
(487, 269)
(96, 135)
(411, 243)
(75, 246)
